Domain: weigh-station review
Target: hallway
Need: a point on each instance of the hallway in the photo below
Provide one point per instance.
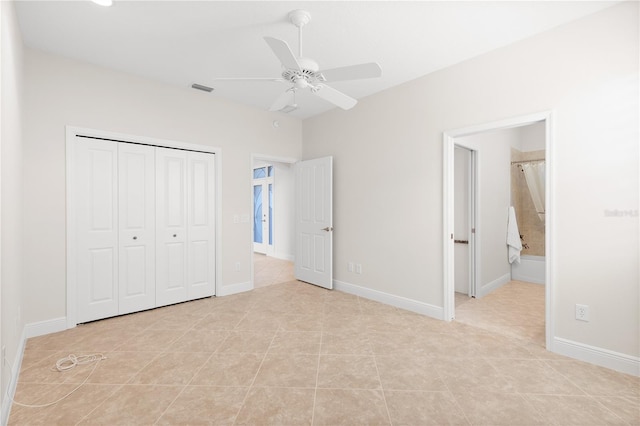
(270, 270)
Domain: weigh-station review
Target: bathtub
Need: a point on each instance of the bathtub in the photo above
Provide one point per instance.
(530, 269)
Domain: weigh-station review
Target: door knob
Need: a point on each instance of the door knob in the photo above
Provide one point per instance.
(328, 228)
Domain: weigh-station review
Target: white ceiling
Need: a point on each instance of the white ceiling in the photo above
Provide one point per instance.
(185, 42)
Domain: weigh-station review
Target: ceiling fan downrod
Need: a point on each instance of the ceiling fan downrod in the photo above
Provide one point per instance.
(299, 18)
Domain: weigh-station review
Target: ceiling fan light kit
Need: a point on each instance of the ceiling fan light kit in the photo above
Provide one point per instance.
(304, 73)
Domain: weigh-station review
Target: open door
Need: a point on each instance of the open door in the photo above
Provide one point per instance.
(464, 184)
(314, 222)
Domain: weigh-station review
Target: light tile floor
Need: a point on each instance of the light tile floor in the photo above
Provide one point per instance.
(516, 309)
(269, 270)
(295, 354)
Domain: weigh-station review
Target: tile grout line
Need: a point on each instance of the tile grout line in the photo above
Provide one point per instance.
(244, 400)
(384, 397)
(201, 367)
(158, 354)
(117, 389)
(315, 390)
(187, 385)
(455, 399)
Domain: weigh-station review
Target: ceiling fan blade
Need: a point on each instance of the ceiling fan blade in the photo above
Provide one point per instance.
(283, 52)
(249, 79)
(353, 72)
(335, 97)
(282, 101)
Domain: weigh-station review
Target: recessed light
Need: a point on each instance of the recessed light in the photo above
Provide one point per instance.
(105, 3)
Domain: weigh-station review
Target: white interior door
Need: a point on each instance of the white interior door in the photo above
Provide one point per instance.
(464, 220)
(171, 226)
(96, 171)
(314, 222)
(136, 247)
(201, 225)
(462, 166)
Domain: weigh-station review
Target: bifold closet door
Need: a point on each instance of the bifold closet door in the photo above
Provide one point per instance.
(96, 202)
(145, 227)
(201, 225)
(185, 235)
(136, 247)
(171, 226)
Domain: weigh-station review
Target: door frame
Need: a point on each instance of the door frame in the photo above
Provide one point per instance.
(71, 132)
(449, 140)
(265, 158)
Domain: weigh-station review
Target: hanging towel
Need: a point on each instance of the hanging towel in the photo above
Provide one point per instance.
(513, 237)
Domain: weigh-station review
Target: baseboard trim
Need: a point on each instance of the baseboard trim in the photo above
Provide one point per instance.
(30, 330)
(13, 381)
(493, 285)
(398, 301)
(603, 357)
(526, 278)
(230, 289)
(45, 327)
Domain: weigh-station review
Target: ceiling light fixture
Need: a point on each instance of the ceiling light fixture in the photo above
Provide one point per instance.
(289, 108)
(105, 3)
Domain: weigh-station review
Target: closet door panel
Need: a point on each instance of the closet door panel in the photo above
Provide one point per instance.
(201, 225)
(96, 191)
(136, 194)
(171, 226)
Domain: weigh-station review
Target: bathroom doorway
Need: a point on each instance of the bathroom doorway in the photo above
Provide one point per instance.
(494, 197)
(528, 176)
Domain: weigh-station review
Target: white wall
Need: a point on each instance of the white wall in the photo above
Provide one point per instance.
(388, 169)
(11, 283)
(61, 92)
(532, 137)
(284, 191)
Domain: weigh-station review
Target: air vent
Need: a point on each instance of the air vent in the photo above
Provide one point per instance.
(201, 87)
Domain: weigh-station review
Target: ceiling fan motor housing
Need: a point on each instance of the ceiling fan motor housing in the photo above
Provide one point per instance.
(307, 74)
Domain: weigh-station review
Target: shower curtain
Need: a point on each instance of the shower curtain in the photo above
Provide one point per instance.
(534, 176)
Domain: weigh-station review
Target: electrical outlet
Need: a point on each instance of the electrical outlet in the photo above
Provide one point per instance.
(350, 267)
(237, 266)
(358, 268)
(582, 312)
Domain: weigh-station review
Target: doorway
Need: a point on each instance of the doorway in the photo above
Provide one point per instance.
(272, 225)
(485, 234)
(263, 209)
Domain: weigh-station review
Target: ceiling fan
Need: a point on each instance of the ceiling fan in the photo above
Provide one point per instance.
(304, 73)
